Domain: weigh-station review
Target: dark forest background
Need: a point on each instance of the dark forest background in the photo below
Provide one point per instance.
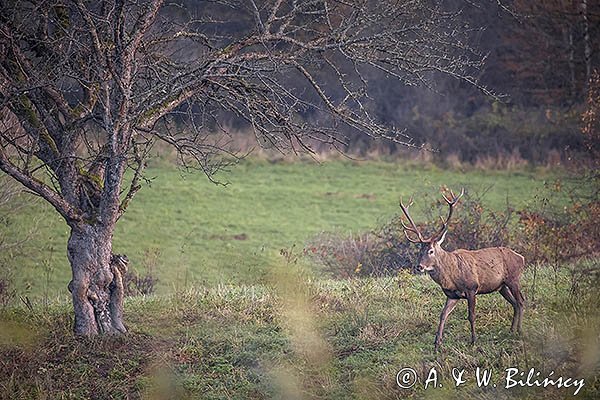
(540, 58)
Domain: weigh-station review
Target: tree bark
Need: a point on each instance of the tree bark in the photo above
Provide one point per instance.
(96, 286)
(572, 81)
(586, 43)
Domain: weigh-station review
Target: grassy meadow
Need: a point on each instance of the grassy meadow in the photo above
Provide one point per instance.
(234, 317)
(303, 338)
(189, 231)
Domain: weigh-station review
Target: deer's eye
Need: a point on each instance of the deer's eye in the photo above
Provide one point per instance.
(430, 252)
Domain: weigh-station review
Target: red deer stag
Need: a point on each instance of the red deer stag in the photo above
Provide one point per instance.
(463, 274)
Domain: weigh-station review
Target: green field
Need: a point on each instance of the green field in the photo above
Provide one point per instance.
(235, 319)
(191, 231)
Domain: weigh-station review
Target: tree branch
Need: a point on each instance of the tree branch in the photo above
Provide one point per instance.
(69, 213)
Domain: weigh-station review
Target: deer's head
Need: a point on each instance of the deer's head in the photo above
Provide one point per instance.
(431, 246)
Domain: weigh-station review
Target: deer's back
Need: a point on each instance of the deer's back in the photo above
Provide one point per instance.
(489, 268)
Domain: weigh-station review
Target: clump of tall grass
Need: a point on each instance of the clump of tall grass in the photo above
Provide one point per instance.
(143, 283)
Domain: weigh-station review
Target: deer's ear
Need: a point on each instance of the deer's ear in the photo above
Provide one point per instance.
(441, 239)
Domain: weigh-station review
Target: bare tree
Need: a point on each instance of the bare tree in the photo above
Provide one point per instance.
(91, 85)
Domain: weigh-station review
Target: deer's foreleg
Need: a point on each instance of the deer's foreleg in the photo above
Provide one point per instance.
(448, 307)
(471, 303)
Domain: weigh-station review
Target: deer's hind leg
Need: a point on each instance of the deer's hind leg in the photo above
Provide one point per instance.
(507, 294)
(515, 290)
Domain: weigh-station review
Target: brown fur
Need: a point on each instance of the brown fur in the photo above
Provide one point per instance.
(484, 270)
(463, 274)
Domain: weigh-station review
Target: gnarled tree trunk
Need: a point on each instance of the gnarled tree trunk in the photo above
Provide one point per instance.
(97, 285)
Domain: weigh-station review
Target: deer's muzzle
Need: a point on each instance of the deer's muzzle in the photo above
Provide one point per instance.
(419, 269)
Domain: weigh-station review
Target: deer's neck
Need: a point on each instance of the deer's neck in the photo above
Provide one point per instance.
(446, 270)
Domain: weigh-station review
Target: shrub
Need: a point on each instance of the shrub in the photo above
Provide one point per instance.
(475, 225)
(342, 256)
(375, 253)
(137, 284)
(385, 250)
(560, 236)
(541, 235)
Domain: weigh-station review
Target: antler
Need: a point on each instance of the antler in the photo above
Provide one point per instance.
(413, 227)
(451, 204)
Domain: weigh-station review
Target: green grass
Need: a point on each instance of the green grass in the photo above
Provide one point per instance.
(233, 319)
(300, 337)
(194, 232)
